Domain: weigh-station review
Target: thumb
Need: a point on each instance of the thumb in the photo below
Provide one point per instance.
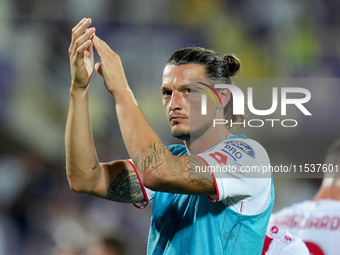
(98, 68)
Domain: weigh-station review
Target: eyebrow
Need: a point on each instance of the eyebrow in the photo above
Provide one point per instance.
(165, 88)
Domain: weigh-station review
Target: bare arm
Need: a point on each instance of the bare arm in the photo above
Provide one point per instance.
(165, 172)
(158, 168)
(114, 180)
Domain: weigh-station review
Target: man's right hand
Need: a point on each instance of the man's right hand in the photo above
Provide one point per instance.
(81, 53)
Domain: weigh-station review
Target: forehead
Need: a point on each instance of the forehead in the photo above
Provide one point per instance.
(180, 75)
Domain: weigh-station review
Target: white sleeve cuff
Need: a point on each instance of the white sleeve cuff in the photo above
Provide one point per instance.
(148, 193)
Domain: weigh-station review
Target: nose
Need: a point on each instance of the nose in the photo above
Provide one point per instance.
(176, 101)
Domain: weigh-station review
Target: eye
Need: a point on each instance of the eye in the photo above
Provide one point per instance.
(189, 91)
(166, 93)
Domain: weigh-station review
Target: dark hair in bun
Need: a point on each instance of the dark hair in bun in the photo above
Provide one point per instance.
(218, 69)
(231, 64)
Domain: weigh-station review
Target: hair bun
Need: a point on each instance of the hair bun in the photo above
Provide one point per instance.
(231, 64)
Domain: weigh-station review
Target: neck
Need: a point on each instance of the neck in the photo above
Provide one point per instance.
(210, 138)
(330, 189)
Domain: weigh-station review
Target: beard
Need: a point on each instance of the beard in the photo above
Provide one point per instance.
(192, 135)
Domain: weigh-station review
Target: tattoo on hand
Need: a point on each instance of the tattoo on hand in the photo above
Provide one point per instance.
(126, 188)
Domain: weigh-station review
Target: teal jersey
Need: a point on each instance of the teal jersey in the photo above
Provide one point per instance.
(193, 224)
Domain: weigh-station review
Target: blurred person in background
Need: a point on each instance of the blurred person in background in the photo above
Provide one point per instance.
(317, 221)
(194, 211)
(279, 241)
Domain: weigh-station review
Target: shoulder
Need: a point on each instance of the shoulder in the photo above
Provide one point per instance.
(306, 208)
(298, 207)
(177, 149)
(246, 145)
(241, 150)
(327, 204)
(292, 215)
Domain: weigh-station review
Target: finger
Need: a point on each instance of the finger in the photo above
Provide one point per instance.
(96, 43)
(100, 41)
(79, 24)
(88, 54)
(81, 27)
(89, 33)
(90, 49)
(98, 68)
(100, 46)
(81, 40)
(82, 48)
(78, 30)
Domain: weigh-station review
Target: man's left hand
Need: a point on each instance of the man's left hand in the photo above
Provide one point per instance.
(110, 66)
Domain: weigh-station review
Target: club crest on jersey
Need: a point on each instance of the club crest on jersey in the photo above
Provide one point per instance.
(242, 146)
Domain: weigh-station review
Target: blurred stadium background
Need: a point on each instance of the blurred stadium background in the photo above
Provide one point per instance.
(275, 39)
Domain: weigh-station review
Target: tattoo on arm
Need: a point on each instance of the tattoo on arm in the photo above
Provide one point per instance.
(159, 153)
(199, 179)
(175, 167)
(126, 188)
(183, 169)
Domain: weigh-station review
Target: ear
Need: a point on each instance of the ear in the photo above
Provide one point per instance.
(225, 96)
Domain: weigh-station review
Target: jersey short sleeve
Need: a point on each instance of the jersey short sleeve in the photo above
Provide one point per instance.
(148, 193)
(240, 167)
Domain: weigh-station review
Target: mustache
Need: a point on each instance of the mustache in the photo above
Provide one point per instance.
(177, 114)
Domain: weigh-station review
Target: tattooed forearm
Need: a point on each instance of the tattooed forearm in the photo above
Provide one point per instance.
(126, 188)
(164, 172)
(156, 157)
(175, 168)
(201, 180)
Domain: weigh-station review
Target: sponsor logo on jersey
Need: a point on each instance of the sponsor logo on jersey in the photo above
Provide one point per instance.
(241, 146)
(232, 152)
